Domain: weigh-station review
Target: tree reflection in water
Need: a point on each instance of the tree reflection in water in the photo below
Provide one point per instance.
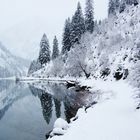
(46, 103)
(57, 108)
(53, 95)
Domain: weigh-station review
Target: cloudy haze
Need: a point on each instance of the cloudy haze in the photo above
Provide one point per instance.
(24, 21)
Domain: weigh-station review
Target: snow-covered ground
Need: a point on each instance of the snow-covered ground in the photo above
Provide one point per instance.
(113, 118)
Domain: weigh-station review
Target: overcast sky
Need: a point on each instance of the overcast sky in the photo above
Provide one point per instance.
(22, 22)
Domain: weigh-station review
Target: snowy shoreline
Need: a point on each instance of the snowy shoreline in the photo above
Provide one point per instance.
(113, 118)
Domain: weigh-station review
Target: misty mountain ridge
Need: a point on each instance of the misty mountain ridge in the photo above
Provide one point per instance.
(11, 65)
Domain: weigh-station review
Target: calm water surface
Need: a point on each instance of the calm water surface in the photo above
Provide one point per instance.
(28, 111)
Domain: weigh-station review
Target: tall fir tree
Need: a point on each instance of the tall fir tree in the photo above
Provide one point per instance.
(122, 6)
(77, 26)
(66, 37)
(89, 16)
(44, 54)
(55, 52)
(111, 8)
(117, 5)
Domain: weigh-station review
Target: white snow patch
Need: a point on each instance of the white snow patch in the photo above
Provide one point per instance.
(60, 127)
(113, 119)
(60, 123)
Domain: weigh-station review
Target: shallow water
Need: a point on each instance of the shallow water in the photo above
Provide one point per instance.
(28, 111)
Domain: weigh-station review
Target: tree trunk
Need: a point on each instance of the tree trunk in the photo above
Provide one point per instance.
(86, 74)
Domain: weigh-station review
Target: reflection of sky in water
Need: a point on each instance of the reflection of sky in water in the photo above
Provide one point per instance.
(29, 113)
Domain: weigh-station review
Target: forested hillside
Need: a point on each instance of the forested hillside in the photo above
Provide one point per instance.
(107, 49)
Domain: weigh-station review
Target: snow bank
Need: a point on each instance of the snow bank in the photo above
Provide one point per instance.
(60, 123)
(60, 127)
(113, 119)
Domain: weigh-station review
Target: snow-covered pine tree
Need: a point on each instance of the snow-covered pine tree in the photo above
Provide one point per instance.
(66, 37)
(77, 25)
(122, 6)
(111, 8)
(117, 5)
(89, 16)
(55, 53)
(44, 54)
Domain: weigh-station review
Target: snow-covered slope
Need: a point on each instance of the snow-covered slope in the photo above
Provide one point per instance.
(113, 47)
(11, 65)
(112, 119)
